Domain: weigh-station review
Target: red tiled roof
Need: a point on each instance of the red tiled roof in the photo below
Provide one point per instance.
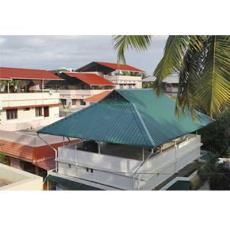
(47, 165)
(97, 97)
(90, 78)
(120, 66)
(30, 153)
(18, 73)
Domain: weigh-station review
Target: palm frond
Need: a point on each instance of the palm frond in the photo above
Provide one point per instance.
(213, 88)
(189, 75)
(124, 42)
(172, 60)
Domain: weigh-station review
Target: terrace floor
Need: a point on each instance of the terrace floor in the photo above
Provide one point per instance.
(3, 182)
(124, 151)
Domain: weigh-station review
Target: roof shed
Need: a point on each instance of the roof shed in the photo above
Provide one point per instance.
(133, 117)
(7, 73)
(89, 78)
(107, 67)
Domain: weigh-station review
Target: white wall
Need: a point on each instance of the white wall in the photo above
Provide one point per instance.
(108, 171)
(27, 118)
(121, 80)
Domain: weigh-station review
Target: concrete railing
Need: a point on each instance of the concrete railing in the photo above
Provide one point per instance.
(125, 173)
(162, 166)
(79, 93)
(23, 99)
(97, 161)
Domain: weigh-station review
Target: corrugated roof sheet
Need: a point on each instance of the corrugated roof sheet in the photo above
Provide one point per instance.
(18, 73)
(90, 78)
(123, 67)
(97, 97)
(133, 117)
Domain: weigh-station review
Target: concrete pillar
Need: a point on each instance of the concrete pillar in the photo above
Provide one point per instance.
(36, 170)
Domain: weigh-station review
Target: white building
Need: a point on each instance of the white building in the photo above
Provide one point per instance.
(76, 87)
(170, 84)
(23, 102)
(122, 76)
(131, 140)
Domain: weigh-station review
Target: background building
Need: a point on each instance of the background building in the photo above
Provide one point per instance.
(122, 76)
(24, 103)
(76, 87)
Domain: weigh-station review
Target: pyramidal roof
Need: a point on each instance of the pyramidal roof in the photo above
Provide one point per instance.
(134, 117)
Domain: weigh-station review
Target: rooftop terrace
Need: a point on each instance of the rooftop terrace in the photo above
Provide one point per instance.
(15, 179)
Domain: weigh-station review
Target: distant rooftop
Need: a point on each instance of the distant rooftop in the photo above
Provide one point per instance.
(172, 79)
(8, 73)
(97, 97)
(149, 79)
(28, 138)
(107, 67)
(15, 179)
(89, 78)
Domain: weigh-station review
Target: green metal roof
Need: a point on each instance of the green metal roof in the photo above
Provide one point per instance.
(133, 117)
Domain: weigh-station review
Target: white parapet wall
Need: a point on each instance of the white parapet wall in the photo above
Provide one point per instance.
(128, 174)
(15, 179)
(24, 99)
(78, 93)
(125, 81)
(162, 166)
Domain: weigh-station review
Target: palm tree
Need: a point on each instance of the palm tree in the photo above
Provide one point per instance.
(203, 65)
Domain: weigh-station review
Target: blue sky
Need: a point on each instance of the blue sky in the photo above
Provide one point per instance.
(56, 51)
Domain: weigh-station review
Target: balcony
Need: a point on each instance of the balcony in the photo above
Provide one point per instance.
(122, 172)
(26, 99)
(78, 93)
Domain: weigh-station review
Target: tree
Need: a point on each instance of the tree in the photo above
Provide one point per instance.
(203, 65)
(216, 136)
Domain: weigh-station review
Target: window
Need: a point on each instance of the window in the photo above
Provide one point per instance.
(82, 102)
(89, 170)
(74, 101)
(11, 114)
(38, 112)
(63, 101)
(46, 111)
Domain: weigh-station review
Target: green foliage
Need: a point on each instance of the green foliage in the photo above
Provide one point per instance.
(3, 159)
(217, 175)
(124, 42)
(202, 62)
(147, 85)
(216, 136)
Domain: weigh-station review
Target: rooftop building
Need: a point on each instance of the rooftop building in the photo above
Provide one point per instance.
(24, 103)
(131, 139)
(122, 76)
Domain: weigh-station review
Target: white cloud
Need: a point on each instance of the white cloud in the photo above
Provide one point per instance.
(50, 52)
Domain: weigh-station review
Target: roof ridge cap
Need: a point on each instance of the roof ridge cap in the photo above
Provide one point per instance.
(143, 124)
